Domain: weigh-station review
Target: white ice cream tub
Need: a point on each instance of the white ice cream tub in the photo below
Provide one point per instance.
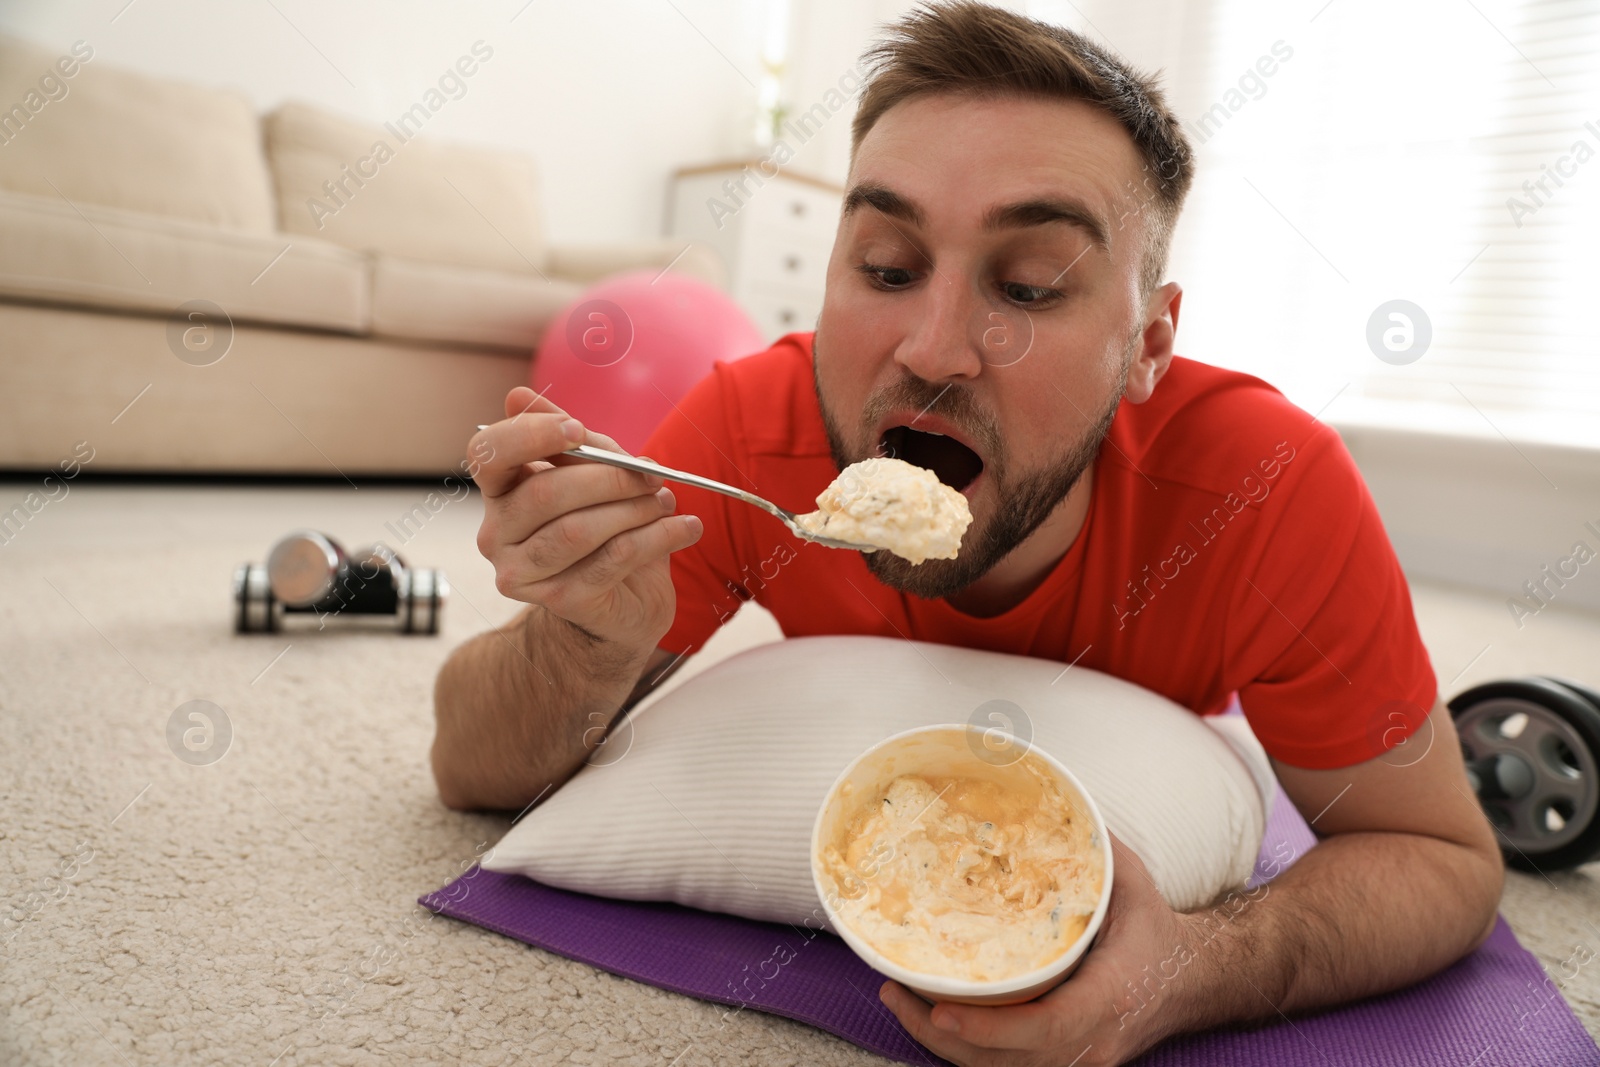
(963, 750)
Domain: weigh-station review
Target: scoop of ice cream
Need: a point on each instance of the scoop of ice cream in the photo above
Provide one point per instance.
(963, 878)
(894, 505)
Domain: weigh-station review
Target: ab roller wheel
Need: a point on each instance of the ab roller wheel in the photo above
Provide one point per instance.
(308, 574)
(1532, 749)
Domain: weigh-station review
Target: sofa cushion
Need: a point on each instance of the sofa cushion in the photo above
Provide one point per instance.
(459, 305)
(118, 139)
(102, 257)
(371, 187)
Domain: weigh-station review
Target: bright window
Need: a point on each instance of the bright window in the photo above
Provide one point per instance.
(1440, 152)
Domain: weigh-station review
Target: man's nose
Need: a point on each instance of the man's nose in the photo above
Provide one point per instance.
(940, 345)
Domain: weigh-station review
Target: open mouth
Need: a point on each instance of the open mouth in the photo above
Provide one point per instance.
(952, 462)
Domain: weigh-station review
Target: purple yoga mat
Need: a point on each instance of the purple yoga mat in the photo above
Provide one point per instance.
(1496, 1008)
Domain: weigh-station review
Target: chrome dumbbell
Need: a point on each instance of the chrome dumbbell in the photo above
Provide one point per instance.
(308, 573)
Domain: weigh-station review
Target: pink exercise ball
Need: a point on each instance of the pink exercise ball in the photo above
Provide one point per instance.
(620, 356)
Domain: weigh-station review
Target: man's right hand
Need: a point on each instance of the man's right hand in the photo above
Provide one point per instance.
(585, 541)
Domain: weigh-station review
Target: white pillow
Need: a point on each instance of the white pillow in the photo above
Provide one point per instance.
(706, 797)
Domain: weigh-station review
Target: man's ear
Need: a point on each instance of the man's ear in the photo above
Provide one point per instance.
(1154, 354)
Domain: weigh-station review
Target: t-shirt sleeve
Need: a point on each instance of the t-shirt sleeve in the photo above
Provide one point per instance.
(1333, 668)
(698, 436)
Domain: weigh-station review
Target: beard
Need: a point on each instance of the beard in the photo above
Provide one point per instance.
(1024, 501)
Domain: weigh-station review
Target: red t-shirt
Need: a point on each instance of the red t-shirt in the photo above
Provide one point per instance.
(1230, 546)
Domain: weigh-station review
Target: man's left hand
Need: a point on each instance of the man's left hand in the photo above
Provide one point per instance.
(1090, 1020)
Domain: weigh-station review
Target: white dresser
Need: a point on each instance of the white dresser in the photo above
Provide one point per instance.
(775, 237)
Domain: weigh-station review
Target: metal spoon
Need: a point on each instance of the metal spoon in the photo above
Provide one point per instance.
(644, 466)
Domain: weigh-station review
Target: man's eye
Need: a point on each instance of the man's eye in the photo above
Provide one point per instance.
(1026, 294)
(887, 277)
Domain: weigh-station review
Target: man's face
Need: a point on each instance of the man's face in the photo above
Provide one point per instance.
(970, 296)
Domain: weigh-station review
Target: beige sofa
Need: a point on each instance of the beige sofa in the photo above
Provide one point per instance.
(187, 287)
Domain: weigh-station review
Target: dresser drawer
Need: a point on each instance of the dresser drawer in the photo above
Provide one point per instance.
(774, 259)
(780, 309)
(795, 208)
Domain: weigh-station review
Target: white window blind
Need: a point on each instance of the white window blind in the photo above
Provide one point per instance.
(1386, 160)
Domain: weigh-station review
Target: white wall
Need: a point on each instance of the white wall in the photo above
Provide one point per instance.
(1483, 513)
(609, 97)
(825, 44)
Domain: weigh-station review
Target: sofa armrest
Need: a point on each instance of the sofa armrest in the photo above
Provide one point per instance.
(590, 263)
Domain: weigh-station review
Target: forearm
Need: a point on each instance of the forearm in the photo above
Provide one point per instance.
(518, 709)
(1361, 914)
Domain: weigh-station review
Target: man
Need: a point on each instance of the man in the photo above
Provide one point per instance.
(995, 312)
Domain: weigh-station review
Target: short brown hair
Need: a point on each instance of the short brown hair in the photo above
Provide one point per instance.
(976, 49)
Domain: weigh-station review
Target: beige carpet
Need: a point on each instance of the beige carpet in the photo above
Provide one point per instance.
(218, 914)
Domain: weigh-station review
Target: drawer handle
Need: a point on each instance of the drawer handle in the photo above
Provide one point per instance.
(791, 262)
(797, 208)
(786, 316)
